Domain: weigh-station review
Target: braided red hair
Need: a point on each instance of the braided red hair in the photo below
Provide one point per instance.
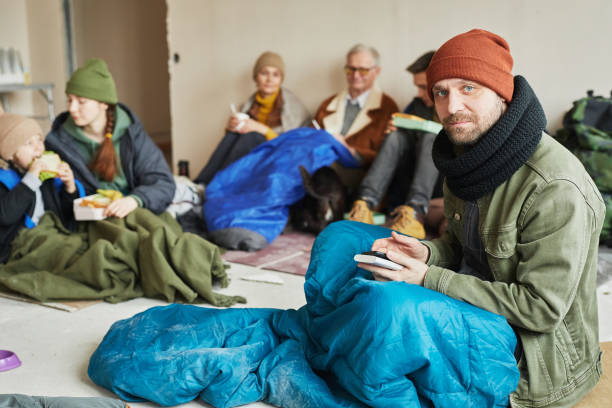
(105, 162)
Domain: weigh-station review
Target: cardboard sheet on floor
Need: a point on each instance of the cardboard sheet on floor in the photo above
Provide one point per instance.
(601, 395)
(67, 306)
(290, 253)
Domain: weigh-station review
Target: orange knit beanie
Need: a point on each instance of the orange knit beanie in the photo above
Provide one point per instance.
(477, 55)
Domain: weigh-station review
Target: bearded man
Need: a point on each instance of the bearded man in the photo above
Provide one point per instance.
(523, 221)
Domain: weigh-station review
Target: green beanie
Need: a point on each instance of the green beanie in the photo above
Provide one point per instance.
(93, 81)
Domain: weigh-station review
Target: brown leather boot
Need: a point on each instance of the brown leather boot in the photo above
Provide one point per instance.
(405, 221)
(361, 212)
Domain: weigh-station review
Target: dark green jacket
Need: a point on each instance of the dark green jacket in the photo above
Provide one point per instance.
(540, 230)
(143, 164)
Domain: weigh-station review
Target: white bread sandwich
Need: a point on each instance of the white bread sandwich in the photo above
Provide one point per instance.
(52, 162)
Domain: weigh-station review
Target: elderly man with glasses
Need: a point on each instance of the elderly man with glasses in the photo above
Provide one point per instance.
(358, 116)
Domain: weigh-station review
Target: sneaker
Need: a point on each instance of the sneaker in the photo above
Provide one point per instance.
(405, 221)
(361, 212)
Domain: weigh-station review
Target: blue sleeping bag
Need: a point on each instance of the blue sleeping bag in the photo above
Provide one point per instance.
(356, 343)
(255, 192)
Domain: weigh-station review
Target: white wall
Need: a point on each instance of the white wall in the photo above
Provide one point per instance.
(562, 47)
(47, 52)
(131, 37)
(14, 33)
(35, 27)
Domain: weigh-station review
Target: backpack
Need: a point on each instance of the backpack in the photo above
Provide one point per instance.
(587, 132)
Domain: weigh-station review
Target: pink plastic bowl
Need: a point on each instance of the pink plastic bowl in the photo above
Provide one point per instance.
(8, 360)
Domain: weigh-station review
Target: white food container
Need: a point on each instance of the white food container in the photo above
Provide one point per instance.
(82, 213)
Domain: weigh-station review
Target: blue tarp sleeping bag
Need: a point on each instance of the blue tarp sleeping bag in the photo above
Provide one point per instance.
(254, 193)
(357, 342)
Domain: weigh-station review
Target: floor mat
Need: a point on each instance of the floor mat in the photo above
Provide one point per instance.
(290, 253)
(66, 306)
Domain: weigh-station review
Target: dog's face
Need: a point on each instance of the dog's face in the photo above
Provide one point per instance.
(324, 202)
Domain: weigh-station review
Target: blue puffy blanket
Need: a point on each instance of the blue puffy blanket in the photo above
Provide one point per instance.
(255, 192)
(356, 343)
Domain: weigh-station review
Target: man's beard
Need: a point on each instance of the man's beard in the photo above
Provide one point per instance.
(468, 136)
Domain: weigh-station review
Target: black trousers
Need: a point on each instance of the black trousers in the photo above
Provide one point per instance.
(232, 147)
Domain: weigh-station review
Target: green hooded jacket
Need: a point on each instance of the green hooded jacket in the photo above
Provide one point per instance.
(540, 230)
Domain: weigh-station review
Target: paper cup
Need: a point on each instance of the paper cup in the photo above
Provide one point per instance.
(242, 117)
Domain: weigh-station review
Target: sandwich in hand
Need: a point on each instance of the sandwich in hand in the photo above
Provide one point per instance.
(52, 162)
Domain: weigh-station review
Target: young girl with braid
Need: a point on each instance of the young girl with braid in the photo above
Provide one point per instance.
(106, 145)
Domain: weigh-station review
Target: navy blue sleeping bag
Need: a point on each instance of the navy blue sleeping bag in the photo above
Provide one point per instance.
(356, 343)
(255, 192)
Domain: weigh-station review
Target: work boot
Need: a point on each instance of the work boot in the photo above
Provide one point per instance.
(405, 221)
(361, 212)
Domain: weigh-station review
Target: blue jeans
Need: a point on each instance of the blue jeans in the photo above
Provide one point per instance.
(232, 147)
(403, 169)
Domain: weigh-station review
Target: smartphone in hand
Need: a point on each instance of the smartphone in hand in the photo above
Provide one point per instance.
(377, 258)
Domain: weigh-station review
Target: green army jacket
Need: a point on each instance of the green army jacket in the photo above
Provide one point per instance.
(540, 230)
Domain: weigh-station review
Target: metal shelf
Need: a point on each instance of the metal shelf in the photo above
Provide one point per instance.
(45, 90)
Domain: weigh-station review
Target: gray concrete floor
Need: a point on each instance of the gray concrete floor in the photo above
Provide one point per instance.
(54, 346)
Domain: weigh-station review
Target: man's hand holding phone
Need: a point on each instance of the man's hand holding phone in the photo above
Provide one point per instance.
(407, 252)
(377, 258)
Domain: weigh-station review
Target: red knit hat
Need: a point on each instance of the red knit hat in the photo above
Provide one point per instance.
(477, 55)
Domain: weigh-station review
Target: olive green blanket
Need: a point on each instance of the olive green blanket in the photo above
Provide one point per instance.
(115, 259)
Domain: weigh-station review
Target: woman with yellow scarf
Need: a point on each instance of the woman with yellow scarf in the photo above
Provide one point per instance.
(271, 110)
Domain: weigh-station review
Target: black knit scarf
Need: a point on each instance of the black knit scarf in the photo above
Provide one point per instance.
(501, 151)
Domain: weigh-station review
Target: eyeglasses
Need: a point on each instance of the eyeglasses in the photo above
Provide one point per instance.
(362, 71)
